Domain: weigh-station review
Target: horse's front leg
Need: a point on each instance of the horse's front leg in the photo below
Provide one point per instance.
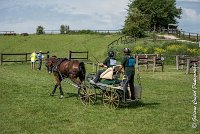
(54, 90)
(61, 92)
(58, 84)
(60, 87)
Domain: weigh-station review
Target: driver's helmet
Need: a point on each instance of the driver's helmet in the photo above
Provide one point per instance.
(111, 54)
(127, 51)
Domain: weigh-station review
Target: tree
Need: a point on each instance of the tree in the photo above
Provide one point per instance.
(159, 13)
(40, 30)
(67, 29)
(64, 29)
(136, 23)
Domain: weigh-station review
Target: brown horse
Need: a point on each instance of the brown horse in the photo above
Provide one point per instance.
(64, 68)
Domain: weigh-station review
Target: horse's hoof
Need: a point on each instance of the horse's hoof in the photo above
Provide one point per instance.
(61, 97)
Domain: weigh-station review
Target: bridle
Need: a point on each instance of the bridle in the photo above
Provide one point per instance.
(50, 66)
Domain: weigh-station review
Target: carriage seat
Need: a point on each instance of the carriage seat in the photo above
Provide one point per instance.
(111, 73)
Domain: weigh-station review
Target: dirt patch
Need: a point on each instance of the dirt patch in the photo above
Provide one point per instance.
(170, 37)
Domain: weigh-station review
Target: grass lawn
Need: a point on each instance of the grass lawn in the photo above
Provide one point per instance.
(26, 107)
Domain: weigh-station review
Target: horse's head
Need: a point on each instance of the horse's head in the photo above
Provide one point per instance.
(50, 62)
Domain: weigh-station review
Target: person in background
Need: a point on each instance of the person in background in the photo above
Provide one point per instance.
(110, 61)
(40, 57)
(128, 63)
(33, 59)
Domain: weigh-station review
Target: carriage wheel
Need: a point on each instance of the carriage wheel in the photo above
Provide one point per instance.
(111, 98)
(87, 95)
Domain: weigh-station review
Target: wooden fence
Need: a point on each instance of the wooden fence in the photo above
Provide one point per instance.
(154, 60)
(83, 56)
(121, 40)
(7, 33)
(188, 35)
(83, 31)
(79, 55)
(185, 35)
(97, 31)
(186, 62)
(18, 57)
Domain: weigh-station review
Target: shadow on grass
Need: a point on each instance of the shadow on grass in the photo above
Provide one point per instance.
(129, 105)
(139, 104)
(71, 95)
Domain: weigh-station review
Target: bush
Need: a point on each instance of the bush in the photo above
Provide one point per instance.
(193, 51)
(139, 50)
(176, 49)
(158, 50)
(167, 49)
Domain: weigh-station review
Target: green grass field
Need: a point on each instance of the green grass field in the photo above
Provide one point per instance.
(26, 107)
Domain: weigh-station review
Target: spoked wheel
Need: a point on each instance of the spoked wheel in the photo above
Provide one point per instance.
(87, 95)
(111, 98)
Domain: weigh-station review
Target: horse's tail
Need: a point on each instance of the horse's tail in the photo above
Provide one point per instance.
(82, 71)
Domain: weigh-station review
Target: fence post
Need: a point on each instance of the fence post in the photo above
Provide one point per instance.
(183, 34)
(47, 54)
(137, 62)
(26, 57)
(188, 66)
(87, 55)
(69, 54)
(177, 62)
(154, 63)
(1, 59)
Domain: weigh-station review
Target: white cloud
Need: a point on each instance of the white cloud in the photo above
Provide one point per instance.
(91, 6)
(189, 0)
(190, 20)
(26, 15)
(79, 14)
(191, 15)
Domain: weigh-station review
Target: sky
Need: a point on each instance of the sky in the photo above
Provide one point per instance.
(26, 15)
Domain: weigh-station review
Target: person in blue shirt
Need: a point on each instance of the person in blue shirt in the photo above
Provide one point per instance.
(40, 57)
(128, 63)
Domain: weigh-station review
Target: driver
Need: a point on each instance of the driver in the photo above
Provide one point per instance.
(110, 61)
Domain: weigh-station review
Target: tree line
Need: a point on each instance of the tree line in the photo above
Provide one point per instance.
(64, 29)
(143, 15)
(150, 15)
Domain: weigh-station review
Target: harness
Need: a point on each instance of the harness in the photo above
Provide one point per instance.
(58, 62)
(56, 66)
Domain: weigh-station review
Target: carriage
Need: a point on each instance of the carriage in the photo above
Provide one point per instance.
(110, 90)
(111, 87)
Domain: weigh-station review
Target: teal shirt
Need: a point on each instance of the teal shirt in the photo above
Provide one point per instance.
(124, 63)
